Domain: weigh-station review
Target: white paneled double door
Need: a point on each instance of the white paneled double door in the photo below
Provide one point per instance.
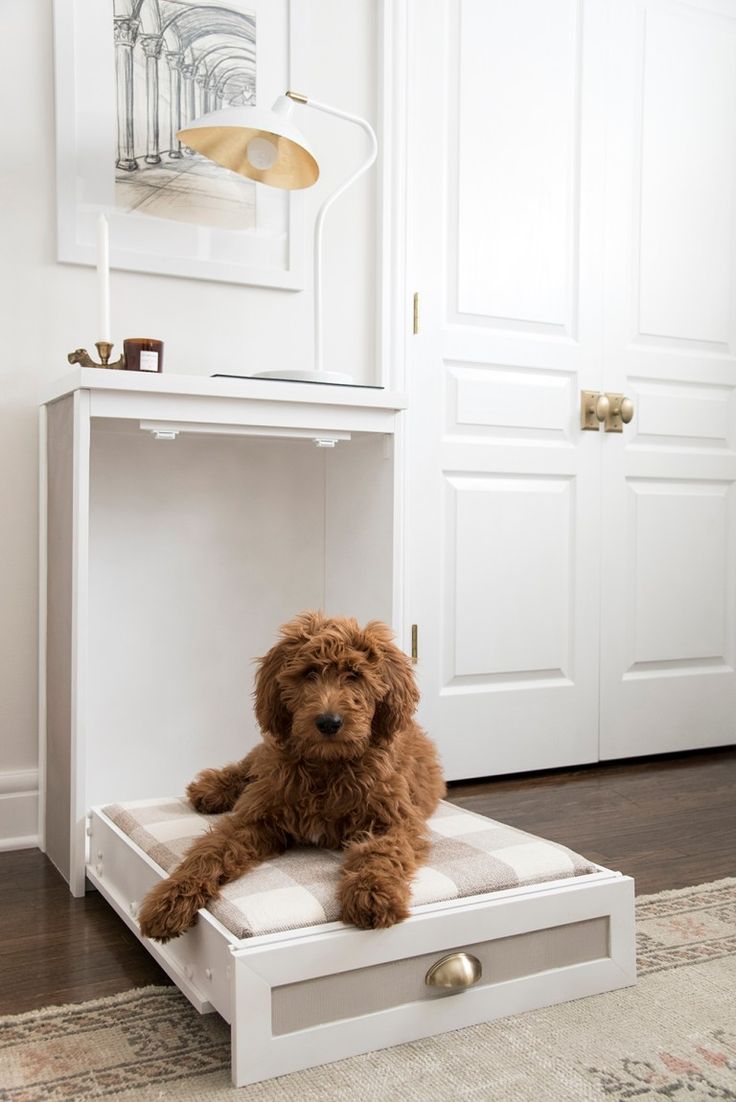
(572, 227)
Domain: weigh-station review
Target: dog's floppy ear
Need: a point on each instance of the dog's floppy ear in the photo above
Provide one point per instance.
(396, 708)
(271, 712)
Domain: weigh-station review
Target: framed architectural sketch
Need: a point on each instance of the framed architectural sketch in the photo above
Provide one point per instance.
(129, 74)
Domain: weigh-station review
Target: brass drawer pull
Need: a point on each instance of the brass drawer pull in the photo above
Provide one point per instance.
(454, 972)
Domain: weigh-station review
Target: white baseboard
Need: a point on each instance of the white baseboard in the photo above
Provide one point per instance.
(19, 810)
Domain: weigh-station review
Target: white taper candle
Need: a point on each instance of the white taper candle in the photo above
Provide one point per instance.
(103, 277)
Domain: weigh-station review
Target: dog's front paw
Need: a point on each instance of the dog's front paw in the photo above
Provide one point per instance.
(210, 795)
(371, 901)
(166, 912)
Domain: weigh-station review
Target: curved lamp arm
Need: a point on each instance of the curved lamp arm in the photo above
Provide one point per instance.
(318, 225)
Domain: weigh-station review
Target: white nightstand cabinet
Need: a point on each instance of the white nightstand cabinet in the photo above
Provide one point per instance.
(182, 520)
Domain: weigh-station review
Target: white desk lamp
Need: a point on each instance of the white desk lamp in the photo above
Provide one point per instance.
(266, 146)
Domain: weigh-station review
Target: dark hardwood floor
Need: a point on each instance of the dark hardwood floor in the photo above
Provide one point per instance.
(669, 822)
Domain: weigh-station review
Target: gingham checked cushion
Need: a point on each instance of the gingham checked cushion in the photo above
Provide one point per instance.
(470, 855)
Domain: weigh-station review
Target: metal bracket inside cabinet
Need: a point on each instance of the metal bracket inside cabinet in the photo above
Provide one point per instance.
(169, 430)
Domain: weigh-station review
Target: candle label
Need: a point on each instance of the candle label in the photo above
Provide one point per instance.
(149, 361)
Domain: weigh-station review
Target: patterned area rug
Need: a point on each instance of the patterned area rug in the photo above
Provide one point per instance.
(672, 1037)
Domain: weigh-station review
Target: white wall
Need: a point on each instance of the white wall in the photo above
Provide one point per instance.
(47, 309)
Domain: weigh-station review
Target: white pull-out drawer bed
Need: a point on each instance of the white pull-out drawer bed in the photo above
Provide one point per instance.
(300, 988)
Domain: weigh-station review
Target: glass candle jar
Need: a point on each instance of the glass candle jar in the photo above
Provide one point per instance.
(143, 354)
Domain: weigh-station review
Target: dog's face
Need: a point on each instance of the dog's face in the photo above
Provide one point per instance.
(329, 688)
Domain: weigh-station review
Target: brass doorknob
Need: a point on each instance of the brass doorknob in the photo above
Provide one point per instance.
(613, 411)
(602, 407)
(454, 972)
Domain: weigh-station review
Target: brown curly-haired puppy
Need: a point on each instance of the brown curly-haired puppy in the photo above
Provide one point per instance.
(342, 765)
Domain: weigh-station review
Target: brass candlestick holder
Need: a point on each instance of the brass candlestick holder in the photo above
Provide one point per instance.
(104, 350)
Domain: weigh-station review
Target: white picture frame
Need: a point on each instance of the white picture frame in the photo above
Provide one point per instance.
(267, 247)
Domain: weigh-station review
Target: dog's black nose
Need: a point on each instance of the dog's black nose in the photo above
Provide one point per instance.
(328, 723)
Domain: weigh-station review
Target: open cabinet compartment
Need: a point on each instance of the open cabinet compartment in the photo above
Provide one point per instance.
(168, 564)
(199, 549)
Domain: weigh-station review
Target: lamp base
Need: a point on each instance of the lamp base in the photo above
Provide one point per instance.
(296, 375)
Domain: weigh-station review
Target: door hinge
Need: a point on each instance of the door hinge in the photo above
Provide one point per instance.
(414, 648)
(415, 316)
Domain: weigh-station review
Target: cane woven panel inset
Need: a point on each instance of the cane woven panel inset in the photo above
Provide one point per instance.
(470, 855)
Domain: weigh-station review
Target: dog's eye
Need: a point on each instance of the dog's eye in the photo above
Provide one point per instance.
(311, 674)
(352, 675)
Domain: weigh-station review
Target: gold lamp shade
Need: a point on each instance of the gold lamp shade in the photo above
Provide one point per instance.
(260, 144)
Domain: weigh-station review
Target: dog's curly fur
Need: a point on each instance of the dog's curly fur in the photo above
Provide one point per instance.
(367, 788)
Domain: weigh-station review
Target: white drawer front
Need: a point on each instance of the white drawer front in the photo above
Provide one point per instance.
(361, 991)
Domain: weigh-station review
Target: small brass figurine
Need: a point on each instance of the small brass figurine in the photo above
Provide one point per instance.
(104, 348)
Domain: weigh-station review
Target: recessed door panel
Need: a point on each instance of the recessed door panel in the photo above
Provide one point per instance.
(509, 403)
(687, 172)
(685, 415)
(516, 68)
(514, 533)
(678, 570)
